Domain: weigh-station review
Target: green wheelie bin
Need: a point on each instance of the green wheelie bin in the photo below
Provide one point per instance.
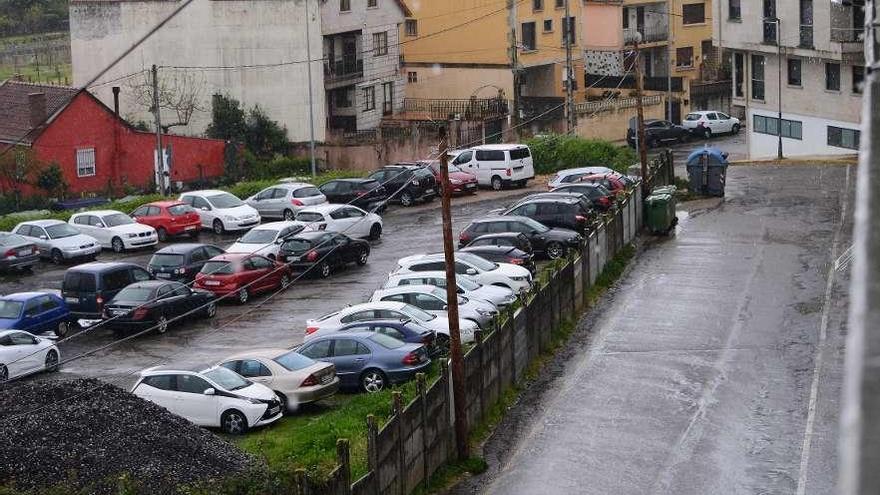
(660, 213)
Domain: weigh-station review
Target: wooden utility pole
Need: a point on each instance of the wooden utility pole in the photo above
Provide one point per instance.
(568, 29)
(160, 156)
(514, 64)
(640, 119)
(459, 396)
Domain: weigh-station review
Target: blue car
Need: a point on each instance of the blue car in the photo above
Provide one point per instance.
(368, 360)
(35, 312)
(405, 330)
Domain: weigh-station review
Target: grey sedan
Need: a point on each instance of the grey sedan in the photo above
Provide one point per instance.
(16, 252)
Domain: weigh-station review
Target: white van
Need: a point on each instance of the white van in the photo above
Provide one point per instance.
(498, 165)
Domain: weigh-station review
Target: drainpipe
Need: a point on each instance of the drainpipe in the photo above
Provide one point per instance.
(116, 100)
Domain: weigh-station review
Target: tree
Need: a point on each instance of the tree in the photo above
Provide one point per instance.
(265, 138)
(227, 119)
(17, 170)
(51, 180)
(180, 93)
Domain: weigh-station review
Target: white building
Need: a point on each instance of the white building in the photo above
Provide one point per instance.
(253, 51)
(362, 75)
(821, 72)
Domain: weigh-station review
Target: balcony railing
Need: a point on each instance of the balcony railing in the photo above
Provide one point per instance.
(847, 34)
(806, 38)
(769, 33)
(649, 34)
(466, 109)
(344, 68)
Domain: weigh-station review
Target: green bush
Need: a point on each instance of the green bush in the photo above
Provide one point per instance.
(555, 152)
(7, 222)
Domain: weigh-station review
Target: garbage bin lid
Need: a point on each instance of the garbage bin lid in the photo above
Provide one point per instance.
(715, 156)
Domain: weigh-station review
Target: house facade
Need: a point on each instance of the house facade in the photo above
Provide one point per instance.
(821, 69)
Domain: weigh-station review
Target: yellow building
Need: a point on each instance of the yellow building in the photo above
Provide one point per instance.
(541, 39)
(691, 37)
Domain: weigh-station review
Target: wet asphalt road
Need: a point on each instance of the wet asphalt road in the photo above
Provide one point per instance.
(713, 367)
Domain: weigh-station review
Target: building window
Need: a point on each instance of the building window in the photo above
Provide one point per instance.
(343, 98)
(568, 27)
(626, 18)
(528, 36)
(387, 98)
(843, 138)
(412, 27)
(369, 94)
(85, 162)
(412, 77)
(832, 77)
(757, 77)
(858, 79)
(792, 129)
(684, 57)
(548, 25)
(794, 72)
(344, 5)
(739, 76)
(693, 13)
(537, 5)
(372, 3)
(380, 44)
(734, 13)
(560, 4)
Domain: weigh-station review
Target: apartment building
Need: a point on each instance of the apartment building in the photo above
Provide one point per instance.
(362, 64)
(809, 52)
(543, 29)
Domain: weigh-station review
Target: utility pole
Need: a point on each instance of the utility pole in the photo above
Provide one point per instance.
(779, 86)
(311, 99)
(640, 119)
(160, 156)
(514, 63)
(567, 28)
(458, 379)
(669, 65)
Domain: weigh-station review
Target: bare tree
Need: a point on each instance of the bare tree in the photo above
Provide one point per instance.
(179, 92)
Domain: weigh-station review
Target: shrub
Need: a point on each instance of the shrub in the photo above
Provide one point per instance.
(555, 152)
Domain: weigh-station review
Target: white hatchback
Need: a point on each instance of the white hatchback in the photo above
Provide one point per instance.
(221, 211)
(22, 353)
(480, 270)
(114, 229)
(346, 219)
(573, 175)
(499, 296)
(265, 239)
(708, 122)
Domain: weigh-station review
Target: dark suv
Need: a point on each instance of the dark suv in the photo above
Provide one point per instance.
(657, 132)
(566, 213)
(549, 242)
(407, 184)
(87, 287)
(181, 262)
(363, 193)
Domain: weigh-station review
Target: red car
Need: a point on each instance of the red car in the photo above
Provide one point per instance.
(610, 181)
(461, 181)
(242, 274)
(169, 218)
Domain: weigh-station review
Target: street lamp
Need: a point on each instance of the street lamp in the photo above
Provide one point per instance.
(777, 21)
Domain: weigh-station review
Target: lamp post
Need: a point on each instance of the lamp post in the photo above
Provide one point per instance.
(776, 20)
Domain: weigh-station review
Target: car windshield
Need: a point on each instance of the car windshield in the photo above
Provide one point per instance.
(293, 361)
(134, 294)
(259, 236)
(439, 293)
(226, 378)
(692, 116)
(386, 341)
(467, 284)
(7, 239)
(161, 259)
(60, 231)
(10, 309)
(535, 225)
(117, 219)
(307, 216)
(224, 200)
(417, 313)
(178, 210)
(218, 268)
(480, 263)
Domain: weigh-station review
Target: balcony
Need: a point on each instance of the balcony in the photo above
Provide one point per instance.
(343, 70)
(847, 35)
(649, 34)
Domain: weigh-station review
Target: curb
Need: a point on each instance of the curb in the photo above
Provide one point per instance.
(846, 160)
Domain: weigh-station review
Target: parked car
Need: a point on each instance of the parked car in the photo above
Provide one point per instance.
(266, 239)
(58, 240)
(499, 296)
(564, 211)
(320, 252)
(344, 219)
(35, 312)
(86, 288)
(114, 230)
(515, 278)
(295, 379)
(708, 122)
(22, 353)
(601, 198)
(610, 182)
(169, 218)
(285, 199)
(516, 240)
(243, 275)
(572, 175)
(404, 330)
(368, 194)
(211, 396)
(17, 253)
(368, 360)
(406, 184)
(181, 262)
(498, 165)
(657, 132)
(221, 211)
(154, 303)
(373, 311)
(460, 182)
(549, 242)
(433, 300)
(503, 254)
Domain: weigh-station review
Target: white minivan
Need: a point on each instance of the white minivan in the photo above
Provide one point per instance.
(498, 165)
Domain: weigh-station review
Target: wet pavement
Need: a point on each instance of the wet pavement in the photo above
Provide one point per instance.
(714, 366)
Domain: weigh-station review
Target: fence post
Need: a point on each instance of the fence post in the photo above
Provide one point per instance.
(511, 325)
(373, 451)
(478, 337)
(423, 401)
(498, 359)
(397, 409)
(343, 458)
(448, 434)
(302, 482)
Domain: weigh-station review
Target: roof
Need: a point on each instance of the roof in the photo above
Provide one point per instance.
(231, 256)
(22, 296)
(567, 198)
(278, 225)
(43, 223)
(11, 330)
(356, 180)
(204, 192)
(99, 213)
(259, 353)
(166, 203)
(180, 248)
(15, 114)
(323, 208)
(98, 266)
(502, 147)
(193, 368)
(498, 218)
(311, 234)
(499, 235)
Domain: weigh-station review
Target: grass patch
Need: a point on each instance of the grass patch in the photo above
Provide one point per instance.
(450, 472)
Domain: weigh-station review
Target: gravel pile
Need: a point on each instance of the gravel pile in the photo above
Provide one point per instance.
(99, 433)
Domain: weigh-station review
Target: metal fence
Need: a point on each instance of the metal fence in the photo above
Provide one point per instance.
(615, 104)
(464, 109)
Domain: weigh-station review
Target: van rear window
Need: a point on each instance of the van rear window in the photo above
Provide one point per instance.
(490, 155)
(519, 153)
(79, 282)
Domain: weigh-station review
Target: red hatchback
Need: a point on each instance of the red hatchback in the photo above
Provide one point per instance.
(242, 274)
(169, 218)
(610, 181)
(461, 181)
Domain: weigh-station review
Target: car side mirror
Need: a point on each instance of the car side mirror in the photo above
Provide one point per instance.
(44, 237)
(209, 391)
(279, 241)
(471, 271)
(205, 208)
(445, 307)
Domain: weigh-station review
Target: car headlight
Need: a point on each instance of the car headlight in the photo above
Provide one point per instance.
(518, 279)
(254, 401)
(230, 218)
(132, 236)
(485, 312)
(454, 181)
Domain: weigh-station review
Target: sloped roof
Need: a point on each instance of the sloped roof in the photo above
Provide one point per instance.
(15, 115)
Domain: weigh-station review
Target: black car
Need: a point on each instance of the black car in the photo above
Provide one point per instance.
(406, 184)
(144, 305)
(367, 194)
(86, 288)
(181, 261)
(657, 132)
(548, 242)
(601, 198)
(404, 330)
(562, 212)
(503, 254)
(324, 250)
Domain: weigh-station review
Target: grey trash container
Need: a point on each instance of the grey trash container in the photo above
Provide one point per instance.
(707, 171)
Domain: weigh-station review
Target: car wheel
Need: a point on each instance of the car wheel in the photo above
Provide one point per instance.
(496, 183)
(375, 232)
(4, 373)
(285, 281)
(57, 257)
(243, 295)
(406, 199)
(284, 401)
(373, 381)
(707, 133)
(162, 324)
(735, 129)
(234, 423)
(211, 310)
(271, 257)
(555, 250)
(62, 328)
(324, 269)
(362, 257)
(288, 215)
(219, 229)
(52, 362)
(162, 234)
(117, 245)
